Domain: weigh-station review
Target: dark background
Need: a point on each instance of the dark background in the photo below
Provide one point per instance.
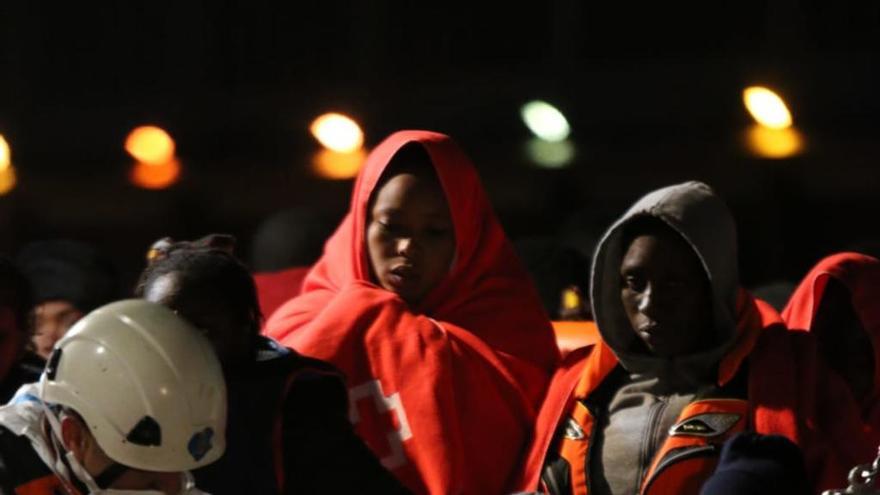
(652, 91)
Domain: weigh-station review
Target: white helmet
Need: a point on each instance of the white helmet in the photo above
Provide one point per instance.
(146, 383)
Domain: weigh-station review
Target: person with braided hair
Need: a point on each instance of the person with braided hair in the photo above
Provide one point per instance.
(288, 428)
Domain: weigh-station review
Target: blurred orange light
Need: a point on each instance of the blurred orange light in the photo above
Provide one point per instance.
(767, 107)
(149, 176)
(337, 132)
(5, 154)
(150, 144)
(774, 143)
(7, 180)
(334, 165)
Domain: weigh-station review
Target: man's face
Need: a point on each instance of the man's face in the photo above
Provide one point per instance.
(666, 295)
(52, 319)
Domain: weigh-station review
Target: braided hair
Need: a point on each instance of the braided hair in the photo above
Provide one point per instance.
(207, 272)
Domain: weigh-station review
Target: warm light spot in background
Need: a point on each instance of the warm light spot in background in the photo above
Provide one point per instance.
(774, 143)
(150, 145)
(150, 176)
(5, 154)
(545, 121)
(331, 164)
(766, 107)
(337, 132)
(7, 180)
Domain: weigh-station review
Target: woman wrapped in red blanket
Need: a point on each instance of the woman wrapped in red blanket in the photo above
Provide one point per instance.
(420, 300)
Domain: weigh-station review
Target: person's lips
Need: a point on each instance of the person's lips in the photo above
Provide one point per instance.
(402, 275)
(649, 332)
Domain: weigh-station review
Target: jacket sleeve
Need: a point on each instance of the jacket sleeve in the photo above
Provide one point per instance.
(321, 451)
(7, 486)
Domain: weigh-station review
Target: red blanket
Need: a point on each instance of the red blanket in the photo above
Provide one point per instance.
(838, 430)
(276, 288)
(444, 393)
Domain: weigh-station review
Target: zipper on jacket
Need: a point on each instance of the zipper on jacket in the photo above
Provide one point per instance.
(592, 442)
(654, 416)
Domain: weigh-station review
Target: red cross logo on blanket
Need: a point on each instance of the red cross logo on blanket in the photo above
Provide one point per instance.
(377, 416)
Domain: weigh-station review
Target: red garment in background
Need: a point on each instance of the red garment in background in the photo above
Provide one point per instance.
(839, 432)
(276, 288)
(446, 393)
(860, 274)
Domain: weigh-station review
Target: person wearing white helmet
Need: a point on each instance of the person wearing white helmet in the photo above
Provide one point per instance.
(131, 400)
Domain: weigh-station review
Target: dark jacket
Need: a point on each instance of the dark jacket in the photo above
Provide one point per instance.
(288, 431)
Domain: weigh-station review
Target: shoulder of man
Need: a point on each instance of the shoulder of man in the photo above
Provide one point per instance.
(22, 471)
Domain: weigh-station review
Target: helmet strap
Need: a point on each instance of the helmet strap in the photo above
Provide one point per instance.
(111, 474)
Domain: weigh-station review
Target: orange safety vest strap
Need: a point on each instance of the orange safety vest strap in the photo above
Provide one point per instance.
(598, 366)
(576, 423)
(685, 477)
(571, 335)
(555, 409)
(47, 485)
(703, 423)
(575, 444)
(753, 316)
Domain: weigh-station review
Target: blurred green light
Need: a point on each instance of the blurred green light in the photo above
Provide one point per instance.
(545, 121)
(548, 154)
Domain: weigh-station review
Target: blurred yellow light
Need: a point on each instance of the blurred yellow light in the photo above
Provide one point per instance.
(570, 298)
(150, 145)
(774, 143)
(337, 132)
(7, 180)
(766, 107)
(549, 154)
(150, 176)
(334, 165)
(5, 154)
(545, 121)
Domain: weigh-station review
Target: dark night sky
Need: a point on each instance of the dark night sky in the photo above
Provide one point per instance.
(652, 92)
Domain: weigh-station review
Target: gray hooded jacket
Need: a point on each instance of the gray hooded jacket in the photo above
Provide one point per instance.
(635, 421)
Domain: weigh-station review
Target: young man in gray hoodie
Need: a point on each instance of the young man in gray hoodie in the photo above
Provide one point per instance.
(646, 410)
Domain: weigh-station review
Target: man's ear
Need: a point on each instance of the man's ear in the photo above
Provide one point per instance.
(73, 436)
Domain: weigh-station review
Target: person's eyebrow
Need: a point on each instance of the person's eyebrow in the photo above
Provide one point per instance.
(67, 312)
(388, 210)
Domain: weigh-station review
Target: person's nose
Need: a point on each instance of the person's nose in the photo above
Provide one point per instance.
(649, 301)
(405, 246)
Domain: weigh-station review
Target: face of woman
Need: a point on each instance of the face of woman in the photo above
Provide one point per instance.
(410, 236)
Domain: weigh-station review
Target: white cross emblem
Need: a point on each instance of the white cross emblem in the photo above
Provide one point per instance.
(383, 404)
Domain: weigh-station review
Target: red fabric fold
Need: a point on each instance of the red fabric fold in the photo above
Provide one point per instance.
(835, 430)
(276, 288)
(463, 373)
